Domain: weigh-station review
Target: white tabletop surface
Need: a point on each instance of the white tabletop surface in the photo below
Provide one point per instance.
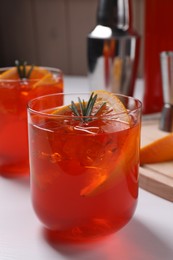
(148, 236)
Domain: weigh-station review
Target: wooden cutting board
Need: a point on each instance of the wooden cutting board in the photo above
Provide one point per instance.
(156, 178)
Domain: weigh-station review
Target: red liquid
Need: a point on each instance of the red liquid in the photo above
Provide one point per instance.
(67, 167)
(13, 123)
(158, 38)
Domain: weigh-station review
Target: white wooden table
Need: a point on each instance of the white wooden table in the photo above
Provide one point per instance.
(148, 236)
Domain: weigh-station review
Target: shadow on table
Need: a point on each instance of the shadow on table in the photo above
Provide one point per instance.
(17, 183)
(21, 180)
(133, 242)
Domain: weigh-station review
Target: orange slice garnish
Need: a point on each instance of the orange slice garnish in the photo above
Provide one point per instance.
(46, 80)
(160, 150)
(113, 105)
(103, 177)
(9, 74)
(37, 72)
(12, 74)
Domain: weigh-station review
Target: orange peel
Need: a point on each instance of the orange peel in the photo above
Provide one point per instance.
(12, 74)
(160, 150)
(46, 80)
(114, 103)
(102, 182)
(103, 179)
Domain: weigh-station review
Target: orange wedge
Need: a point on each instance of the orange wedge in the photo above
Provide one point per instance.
(38, 72)
(105, 179)
(12, 74)
(9, 74)
(46, 80)
(160, 150)
(113, 104)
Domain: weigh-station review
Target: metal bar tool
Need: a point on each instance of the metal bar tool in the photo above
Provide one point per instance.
(166, 61)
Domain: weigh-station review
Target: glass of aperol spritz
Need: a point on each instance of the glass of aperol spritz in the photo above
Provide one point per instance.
(18, 85)
(84, 159)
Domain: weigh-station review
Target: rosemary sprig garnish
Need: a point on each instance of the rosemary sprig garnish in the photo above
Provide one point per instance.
(85, 108)
(22, 71)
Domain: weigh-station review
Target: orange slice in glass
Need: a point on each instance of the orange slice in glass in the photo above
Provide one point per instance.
(102, 179)
(37, 72)
(160, 150)
(9, 74)
(113, 105)
(46, 80)
(12, 74)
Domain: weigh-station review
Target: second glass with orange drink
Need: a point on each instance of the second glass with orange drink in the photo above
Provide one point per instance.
(18, 85)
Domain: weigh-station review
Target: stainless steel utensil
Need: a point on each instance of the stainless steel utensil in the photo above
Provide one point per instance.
(166, 61)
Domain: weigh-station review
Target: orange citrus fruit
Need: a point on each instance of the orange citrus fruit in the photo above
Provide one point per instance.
(113, 105)
(47, 79)
(12, 74)
(37, 72)
(9, 74)
(102, 179)
(160, 150)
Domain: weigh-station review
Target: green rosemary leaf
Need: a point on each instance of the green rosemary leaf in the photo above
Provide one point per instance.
(91, 105)
(22, 71)
(82, 108)
(74, 108)
(103, 104)
(18, 67)
(89, 101)
(85, 108)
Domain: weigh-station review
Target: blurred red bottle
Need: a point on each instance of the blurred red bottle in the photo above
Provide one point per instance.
(158, 38)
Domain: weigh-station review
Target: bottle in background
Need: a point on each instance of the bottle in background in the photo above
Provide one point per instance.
(113, 48)
(158, 38)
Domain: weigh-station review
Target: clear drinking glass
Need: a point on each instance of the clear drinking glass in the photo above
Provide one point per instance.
(84, 171)
(14, 95)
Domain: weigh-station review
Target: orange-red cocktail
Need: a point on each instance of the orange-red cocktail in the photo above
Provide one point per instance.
(84, 169)
(14, 95)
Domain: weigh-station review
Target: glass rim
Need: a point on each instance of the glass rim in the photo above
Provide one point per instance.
(42, 113)
(50, 69)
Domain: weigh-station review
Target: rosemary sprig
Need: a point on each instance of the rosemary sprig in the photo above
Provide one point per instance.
(85, 108)
(22, 71)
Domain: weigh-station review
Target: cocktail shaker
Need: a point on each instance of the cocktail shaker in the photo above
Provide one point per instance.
(166, 61)
(113, 48)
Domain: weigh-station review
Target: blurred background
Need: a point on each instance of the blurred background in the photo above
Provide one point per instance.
(53, 32)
